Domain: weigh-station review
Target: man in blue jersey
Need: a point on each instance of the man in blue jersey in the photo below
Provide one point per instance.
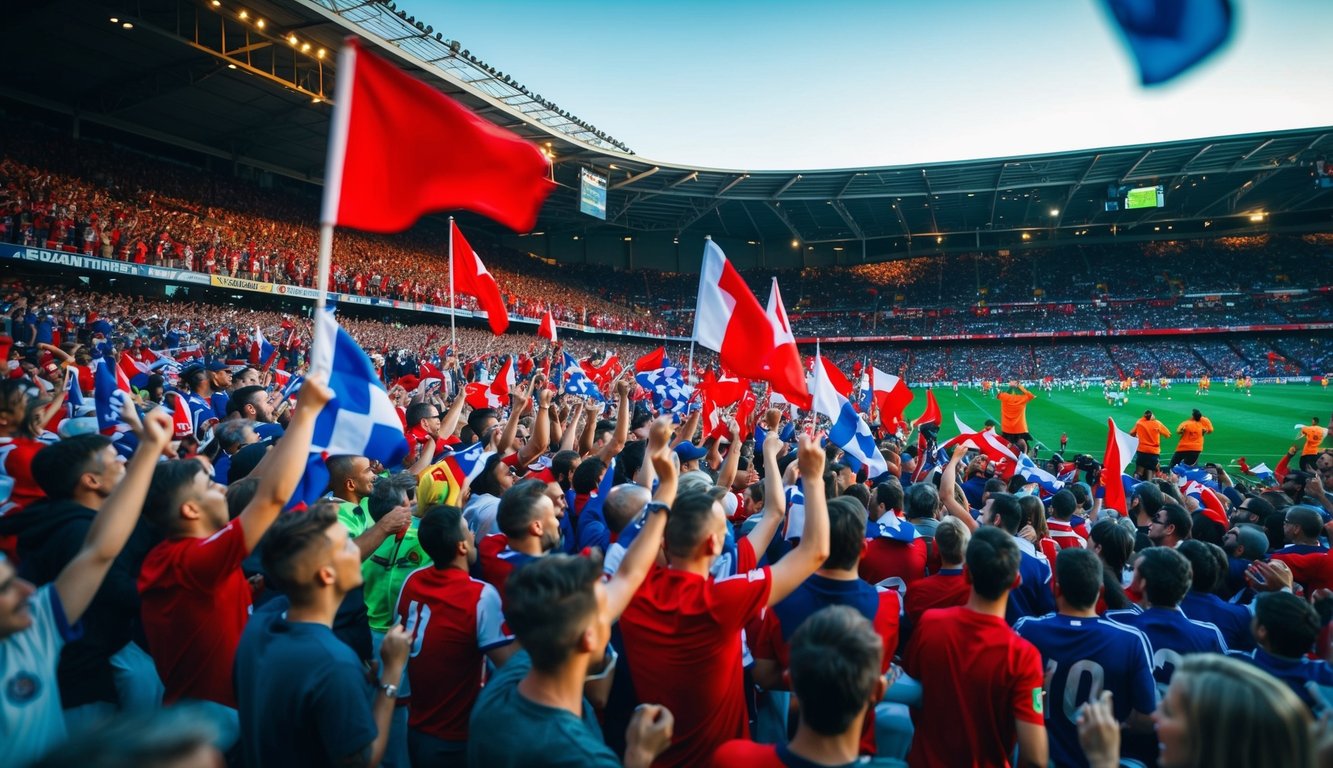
(1286, 627)
(1202, 604)
(1084, 655)
(1163, 576)
(1033, 595)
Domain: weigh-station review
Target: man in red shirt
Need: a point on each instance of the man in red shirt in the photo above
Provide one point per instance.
(983, 683)
(196, 599)
(898, 556)
(948, 587)
(836, 663)
(682, 630)
(455, 622)
(1061, 522)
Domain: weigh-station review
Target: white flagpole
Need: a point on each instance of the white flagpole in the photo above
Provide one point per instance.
(333, 180)
(694, 330)
(453, 334)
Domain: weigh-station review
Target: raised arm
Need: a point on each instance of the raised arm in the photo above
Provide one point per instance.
(111, 528)
(949, 482)
(449, 424)
(641, 554)
(728, 472)
(569, 433)
(282, 467)
(522, 399)
(775, 500)
(541, 428)
(687, 429)
(813, 550)
(592, 410)
(618, 439)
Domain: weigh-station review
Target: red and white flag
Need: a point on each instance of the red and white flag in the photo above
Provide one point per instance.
(399, 148)
(784, 363)
(841, 384)
(495, 393)
(651, 361)
(932, 413)
(182, 423)
(472, 278)
(890, 395)
(728, 318)
(547, 329)
(1120, 449)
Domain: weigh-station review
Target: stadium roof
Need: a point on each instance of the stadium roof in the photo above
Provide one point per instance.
(204, 74)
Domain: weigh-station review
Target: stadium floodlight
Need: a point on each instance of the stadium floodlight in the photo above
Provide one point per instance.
(243, 15)
(259, 23)
(1055, 211)
(291, 39)
(115, 20)
(321, 53)
(305, 47)
(1257, 216)
(127, 25)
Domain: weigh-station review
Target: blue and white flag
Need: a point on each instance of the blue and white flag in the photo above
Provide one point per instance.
(795, 498)
(890, 526)
(669, 390)
(73, 394)
(577, 381)
(1167, 37)
(1185, 473)
(1028, 470)
(265, 350)
(360, 420)
(849, 432)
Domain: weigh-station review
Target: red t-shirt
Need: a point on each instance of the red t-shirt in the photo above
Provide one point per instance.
(454, 620)
(979, 680)
(1312, 570)
(747, 754)
(887, 558)
(683, 643)
(195, 602)
(16, 462)
(946, 589)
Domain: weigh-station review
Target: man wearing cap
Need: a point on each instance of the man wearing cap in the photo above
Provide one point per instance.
(1150, 432)
(689, 455)
(219, 380)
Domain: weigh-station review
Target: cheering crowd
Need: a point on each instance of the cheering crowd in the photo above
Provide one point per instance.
(552, 578)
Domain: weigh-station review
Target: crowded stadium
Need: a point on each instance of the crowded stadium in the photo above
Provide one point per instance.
(1019, 459)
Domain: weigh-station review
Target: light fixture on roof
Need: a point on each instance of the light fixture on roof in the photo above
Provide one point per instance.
(795, 243)
(126, 25)
(1257, 216)
(217, 3)
(316, 100)
(1027, 236)
(305, 47)
(291, 39)
(259, 23)
(231, 66)
(243, 15)
(115, 20)
(1055, 211)
(320, 54)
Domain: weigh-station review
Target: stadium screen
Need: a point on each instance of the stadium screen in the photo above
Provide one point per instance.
(1144, 197)
(592, 194)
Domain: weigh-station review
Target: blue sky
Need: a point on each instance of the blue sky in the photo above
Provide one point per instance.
(795, 85)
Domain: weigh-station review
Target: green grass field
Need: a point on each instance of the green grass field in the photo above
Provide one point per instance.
(1260, 427)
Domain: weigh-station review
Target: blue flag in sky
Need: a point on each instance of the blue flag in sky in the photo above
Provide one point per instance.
(1168, 37)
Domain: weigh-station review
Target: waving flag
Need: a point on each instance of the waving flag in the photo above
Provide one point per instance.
(73, 394)
(890, 526)
(605, 373)
(577, 381)
(547, 329)
(728, 318)
(1209, 503)
(1120, 448)
(1167, 37)
(669, 391)
(360, 420)
(783, 365)
(836, 378)
(1259, 470)
(134, 372)
(261, 351)
(1186, 474)
(471, 278)
(848, 432)
(495, 393)
(1028, 470)
(447, 478)
(652, 361)
(986, 441)
(932, 413)
(888, 393)
(399, 148)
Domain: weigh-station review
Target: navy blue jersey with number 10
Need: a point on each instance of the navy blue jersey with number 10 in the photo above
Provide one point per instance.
(1083, 657)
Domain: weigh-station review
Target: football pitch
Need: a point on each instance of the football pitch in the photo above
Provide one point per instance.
(1259, 427)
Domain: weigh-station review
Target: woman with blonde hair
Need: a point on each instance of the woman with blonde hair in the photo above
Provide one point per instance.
(1221, 712)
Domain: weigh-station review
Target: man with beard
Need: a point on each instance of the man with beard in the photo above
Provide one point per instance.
(530, 528)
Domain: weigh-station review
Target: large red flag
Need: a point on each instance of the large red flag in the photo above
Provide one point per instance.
(837, 378)
(932, 412)
(728, 318)
(547, 329)
(399, 148)
(651, 361)
(471, 278)
(784, 363)
(1120, 449)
